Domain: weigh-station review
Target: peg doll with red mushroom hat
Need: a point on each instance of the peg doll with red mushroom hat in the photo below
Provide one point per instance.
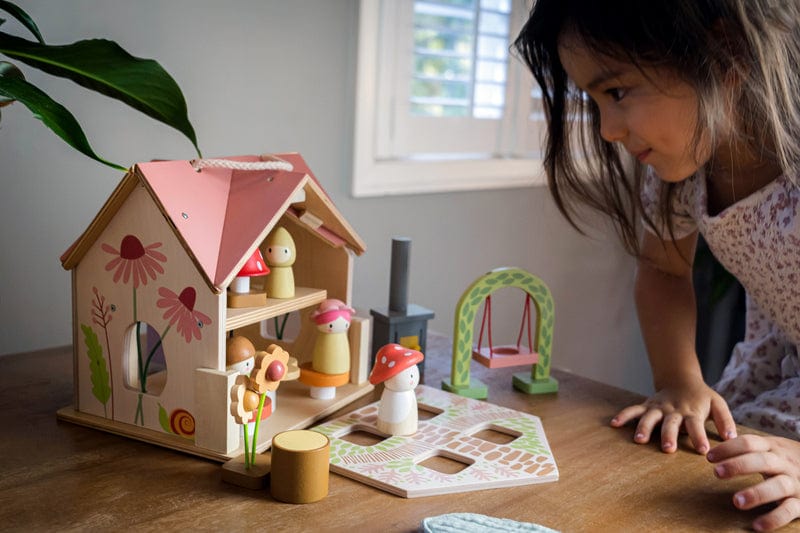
(396, 367)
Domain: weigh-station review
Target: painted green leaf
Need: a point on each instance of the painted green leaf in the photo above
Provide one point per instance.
(22, 17)
(97, 365)
(54, 115)
(103, 66)
(163, 419)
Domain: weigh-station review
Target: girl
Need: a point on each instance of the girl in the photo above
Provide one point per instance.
(683, 117)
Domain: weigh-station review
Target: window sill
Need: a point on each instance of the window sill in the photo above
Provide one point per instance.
(394, 177)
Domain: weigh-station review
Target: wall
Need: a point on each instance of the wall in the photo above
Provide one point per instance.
(269, 76)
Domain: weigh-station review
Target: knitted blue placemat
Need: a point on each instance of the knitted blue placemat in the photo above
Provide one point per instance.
(478, 523)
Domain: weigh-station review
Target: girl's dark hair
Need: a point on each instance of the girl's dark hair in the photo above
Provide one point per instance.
(707, 43)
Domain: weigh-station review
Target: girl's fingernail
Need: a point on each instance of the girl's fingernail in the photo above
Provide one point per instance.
(702, 449)
(719, 471)
(666, 445)
(639, 436)
(740, 500)
(730, 434)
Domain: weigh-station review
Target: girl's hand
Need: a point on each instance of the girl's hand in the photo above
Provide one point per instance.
(684, 405)
(775, 458)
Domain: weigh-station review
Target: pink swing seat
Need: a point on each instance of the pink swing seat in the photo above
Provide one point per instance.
(506, 355)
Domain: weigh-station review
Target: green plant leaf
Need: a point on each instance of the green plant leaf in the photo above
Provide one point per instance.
(9, 70)
(103, 66)
(54, 115)
(16, 12)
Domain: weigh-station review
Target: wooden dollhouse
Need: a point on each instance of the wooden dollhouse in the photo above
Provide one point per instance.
(150, 310)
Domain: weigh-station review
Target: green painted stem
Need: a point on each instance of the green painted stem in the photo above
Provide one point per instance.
(247, 464)
(255, 430)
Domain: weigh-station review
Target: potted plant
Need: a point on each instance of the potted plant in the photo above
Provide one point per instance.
(99, 65)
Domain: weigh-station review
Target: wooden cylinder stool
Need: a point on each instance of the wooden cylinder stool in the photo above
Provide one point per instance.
(300, 462)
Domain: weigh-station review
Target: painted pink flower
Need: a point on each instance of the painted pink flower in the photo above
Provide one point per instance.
(180, 309)
(135, 261)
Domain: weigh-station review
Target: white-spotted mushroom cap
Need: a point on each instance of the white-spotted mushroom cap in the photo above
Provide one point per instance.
(392, 359)
(255, 266)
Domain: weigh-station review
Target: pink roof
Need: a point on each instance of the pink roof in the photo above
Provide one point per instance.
(219, 214)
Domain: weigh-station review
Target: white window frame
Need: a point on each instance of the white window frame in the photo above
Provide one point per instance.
(377, 176)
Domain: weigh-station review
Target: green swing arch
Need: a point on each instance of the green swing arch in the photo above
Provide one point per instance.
(538, 381)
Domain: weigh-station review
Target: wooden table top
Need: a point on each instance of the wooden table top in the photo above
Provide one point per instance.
(58, 476)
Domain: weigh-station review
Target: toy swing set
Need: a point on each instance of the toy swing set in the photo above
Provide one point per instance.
(536, 353)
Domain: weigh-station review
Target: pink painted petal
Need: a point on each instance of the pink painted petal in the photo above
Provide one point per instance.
(118, 272)
(110, 249)
(157, 255)
(127, 274)
(139, 272)
(147, 266)
(113, 263)
(202, 318)
(166, 293)
(173, 313)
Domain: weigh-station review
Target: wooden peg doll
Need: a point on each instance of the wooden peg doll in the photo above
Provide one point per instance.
(281, 254)
(330, 361)
(396, 367)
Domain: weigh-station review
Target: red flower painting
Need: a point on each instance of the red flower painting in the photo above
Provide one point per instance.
(180, 309)
(134, 261)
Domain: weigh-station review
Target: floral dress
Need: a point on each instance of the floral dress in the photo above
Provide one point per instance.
(757, 239)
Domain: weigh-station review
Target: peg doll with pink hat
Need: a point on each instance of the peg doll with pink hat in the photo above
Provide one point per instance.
(331, 353)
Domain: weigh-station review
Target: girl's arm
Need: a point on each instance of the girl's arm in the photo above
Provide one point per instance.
(667, 315)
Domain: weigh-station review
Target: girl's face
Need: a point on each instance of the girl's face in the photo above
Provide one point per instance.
(653, 116)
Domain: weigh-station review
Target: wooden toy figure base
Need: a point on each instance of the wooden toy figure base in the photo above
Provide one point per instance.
(525, 383)
(255, 477)
(476, 389)
(247, 299)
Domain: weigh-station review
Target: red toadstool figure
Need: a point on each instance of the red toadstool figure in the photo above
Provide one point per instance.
(255, 266)
(396, 367)
(240, 294)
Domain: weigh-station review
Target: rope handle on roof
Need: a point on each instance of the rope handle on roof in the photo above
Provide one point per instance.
(272, 164)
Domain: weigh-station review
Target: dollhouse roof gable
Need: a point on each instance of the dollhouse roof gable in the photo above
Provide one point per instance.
(220, 215)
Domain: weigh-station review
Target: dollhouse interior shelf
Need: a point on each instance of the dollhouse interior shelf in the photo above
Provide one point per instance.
(304, 297)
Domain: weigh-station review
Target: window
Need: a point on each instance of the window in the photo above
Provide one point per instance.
(440, 103)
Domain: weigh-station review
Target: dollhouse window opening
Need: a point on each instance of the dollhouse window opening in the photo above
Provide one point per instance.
(145, 361)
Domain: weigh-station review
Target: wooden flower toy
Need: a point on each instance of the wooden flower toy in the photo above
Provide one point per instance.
(249, 401)
(396, 367)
